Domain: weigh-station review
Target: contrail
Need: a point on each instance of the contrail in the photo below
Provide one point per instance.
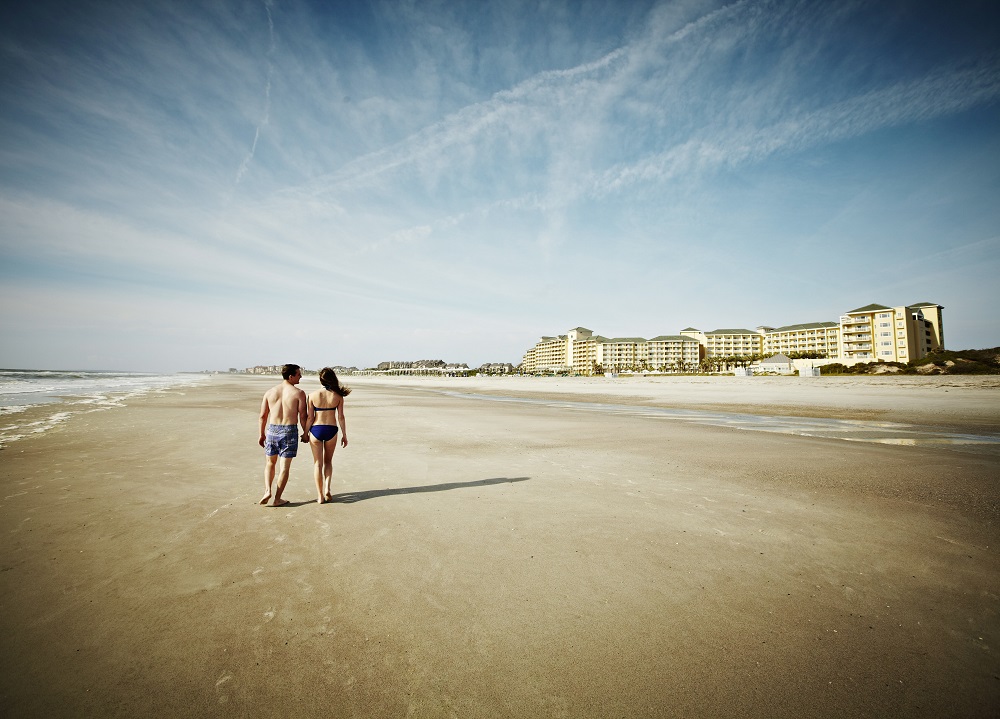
(267, 97)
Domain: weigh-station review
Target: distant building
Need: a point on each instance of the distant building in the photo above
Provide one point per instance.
(496, 368)
(677, 352)
(418, 364)
(776, 364)
(435, 368)
(821, 338)
(869, 333)
(582, 352)
(264, 369)
(732, 343)
(892, 334)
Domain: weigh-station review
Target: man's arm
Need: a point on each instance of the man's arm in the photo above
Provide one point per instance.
(303, 414)
(310, 419)
(265, 410)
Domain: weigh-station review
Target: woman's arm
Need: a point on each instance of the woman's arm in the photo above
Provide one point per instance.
(343, 423)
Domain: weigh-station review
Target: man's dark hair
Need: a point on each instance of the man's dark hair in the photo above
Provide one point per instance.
(287, 370)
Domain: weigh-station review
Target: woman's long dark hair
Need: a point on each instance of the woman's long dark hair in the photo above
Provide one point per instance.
(328, 378)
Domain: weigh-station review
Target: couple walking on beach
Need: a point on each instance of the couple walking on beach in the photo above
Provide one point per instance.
(283, 408)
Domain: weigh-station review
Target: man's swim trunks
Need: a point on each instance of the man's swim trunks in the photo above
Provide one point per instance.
(323, 432)
(281, 440)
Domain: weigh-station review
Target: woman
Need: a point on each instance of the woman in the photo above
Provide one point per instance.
(326, 411)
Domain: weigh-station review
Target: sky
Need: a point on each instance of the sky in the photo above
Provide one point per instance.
(205, 185)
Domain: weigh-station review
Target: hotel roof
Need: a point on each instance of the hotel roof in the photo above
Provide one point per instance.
(869, 308)
(732, 332)
(807, 326)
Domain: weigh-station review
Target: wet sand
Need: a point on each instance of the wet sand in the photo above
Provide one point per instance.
(506, 559)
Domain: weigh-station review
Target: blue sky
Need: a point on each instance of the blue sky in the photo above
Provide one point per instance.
(204, 185)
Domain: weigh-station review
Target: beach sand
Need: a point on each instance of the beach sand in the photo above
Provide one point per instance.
(497, 559)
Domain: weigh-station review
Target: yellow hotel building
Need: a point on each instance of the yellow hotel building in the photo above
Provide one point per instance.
(728, 342)
(891, 334)
(820, 337)
(867, 334)
(582, 352)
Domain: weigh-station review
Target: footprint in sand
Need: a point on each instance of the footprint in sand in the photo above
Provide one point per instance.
(223, 698)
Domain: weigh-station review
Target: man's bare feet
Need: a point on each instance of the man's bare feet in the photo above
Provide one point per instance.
(321, 500)
(265, 499)
(280, 503)
(329, 497)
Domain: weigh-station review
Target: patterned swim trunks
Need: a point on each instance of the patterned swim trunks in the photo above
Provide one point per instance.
(281, 440)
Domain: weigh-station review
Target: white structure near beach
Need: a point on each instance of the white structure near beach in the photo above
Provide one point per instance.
(870, 333)
(776, 364)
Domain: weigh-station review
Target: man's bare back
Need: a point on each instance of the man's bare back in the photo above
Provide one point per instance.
(283, 407)
(285, 404)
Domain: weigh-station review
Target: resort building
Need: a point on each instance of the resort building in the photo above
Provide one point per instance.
(728, 342)
(822, 338)
(891, 334)
(674, 352)
(623, 353)
(582, 352)
(867, 334)
(550, 354)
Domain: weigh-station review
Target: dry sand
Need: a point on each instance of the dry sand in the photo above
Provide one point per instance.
(491, 559)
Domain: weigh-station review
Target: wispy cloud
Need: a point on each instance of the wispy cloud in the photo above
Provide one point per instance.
(427, 160)
(943, 92)
(267, 98)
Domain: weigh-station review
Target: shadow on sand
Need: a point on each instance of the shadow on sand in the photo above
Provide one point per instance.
(351, 497)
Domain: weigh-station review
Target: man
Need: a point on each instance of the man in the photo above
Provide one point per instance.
(283, 406)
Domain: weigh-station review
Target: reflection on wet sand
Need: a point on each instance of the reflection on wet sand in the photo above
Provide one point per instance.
(845, 429)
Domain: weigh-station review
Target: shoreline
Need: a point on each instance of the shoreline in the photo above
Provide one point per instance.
(495, 559)
(49, 410)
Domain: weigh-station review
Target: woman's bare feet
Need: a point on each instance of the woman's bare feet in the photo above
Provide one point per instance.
(329, 497)
(280, 503)
(321, 500)
(265, 499)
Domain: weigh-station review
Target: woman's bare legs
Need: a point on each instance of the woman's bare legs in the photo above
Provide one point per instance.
(330, 448)
(318, 460)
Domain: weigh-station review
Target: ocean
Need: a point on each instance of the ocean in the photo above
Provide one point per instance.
(33, 401)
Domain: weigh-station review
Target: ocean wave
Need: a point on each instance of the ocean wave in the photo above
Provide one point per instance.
(13, 409)
(73, 393)
(26, 429)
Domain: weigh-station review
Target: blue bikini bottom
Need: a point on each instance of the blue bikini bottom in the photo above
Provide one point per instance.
(323, 432)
